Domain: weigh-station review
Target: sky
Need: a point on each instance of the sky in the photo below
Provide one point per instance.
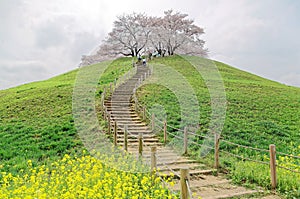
(40, 39)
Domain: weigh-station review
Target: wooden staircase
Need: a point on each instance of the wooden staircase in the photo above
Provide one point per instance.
(202, 181)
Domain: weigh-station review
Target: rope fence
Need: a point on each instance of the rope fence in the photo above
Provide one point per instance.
(222, 140)
(162, 127)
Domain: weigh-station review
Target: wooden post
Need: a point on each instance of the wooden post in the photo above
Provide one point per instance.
(144, 113)
(185, 141)
(273, 165)
(115, 82)
(184, 176)
(104, 93)
(110, 88)
(135, 103)
(153, 122)
(115, 134)
(153, 159)
(140, 144)
(165, 132)
(145, 75)
(126, 138)
(109, 124)
(102, 103)
(104, 112)
(217, 146)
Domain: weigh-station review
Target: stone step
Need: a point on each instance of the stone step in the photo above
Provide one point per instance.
(145, 136)
(128, 121)
(176, 167)
(135, 128)
(131, 140)
(112, 106)
(145, 144)
(131, 124)
(222, 193)
(192, 173)
(116, 104)
(203, 181)
(135, 132)
(118, 109)
(174, 162)
(114, 116)
(125, 113)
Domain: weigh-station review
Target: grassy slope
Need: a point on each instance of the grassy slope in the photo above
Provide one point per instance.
(259, 111)
(36, 119)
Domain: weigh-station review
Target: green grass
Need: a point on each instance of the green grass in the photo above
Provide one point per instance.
(36, 120)
(259, 112)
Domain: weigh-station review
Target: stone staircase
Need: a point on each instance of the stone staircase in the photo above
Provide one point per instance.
(202, 181)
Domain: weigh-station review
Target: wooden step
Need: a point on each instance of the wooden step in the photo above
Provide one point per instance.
(145, 144)
(203, 182)
(131, 140)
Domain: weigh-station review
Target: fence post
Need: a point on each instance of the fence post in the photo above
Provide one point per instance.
(110, 87)
(185, 141)
(104, 93)
(144, 113)
(115, 82)
(145, 75)
(104, 112)
(109, 124)
(165, 132)
(184, 176)
(153, 122)
(140, 144)
(115, 134)
(135, 103)
(217, 146)
(153, 159)
(273, 166)
(126, 138)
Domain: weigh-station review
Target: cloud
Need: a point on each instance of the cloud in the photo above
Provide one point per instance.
(48, 37)
(43, 39)
(291, 79)
(21, 72)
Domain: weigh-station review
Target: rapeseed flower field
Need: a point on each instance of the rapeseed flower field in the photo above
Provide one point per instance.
(81, 177)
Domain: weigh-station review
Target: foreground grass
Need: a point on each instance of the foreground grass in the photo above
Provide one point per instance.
(36, 123)
(36, 120)
(259, 112)
(42, 155)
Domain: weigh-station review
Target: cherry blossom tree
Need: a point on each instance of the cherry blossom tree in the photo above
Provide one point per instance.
(176, 32)
(129, 35)
(136, 33)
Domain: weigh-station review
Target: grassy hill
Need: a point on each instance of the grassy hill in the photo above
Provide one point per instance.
(259, 111)
(36, 121)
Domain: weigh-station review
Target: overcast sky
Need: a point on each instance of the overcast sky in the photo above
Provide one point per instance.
(40, 39)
